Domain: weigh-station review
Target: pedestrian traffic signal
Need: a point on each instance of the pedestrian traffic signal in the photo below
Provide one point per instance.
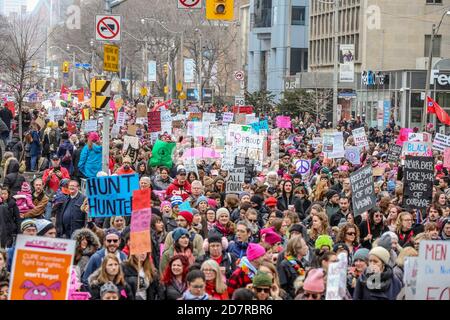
(166, 68)
(65, 67)
(219, 9)
(99, 93)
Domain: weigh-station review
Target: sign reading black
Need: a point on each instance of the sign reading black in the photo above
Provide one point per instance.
(418, 177)
(363, 191)
(248, 164)
(394, 152)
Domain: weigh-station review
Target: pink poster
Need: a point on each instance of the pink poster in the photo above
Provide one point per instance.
(403, 136)
(283, 122)
(447, 158)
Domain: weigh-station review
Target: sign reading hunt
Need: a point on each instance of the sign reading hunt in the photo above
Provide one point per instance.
(41, 268)
(433, 276)
(363, 191)
(235, 180)
(418, 180)
(111, 195)
(394, 153)
(107, 27)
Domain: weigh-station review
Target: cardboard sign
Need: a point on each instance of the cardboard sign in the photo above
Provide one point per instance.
(447, 158)
(418, 177)
(89, 126)
(130, 141)
(433, 280)
(420, 149)
(363, 191)
(132, 130)
(154, 121)
(141, 111)
(111, 195)
(41, 268)
(235, 180)
(441, 142)
(227, 117)
(337, 278)
(140, 240)
(394, 153)
(378, 171)
(360, 137)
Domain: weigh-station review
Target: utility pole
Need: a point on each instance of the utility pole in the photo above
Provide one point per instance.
(73, 70)
(200, 86)
(336, 60)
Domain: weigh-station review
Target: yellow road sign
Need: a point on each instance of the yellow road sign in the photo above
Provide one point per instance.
(111, 58)
(99, 87)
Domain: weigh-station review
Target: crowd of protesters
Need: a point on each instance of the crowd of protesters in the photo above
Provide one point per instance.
(273, 241)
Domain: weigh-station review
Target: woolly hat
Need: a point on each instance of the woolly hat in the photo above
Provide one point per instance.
(271, 202)
(242, 194)
(272, 237)
(257, 199)
(262, 279)
(342, 222)
(255, 251)
(108, 287)
(324, 240)
(391, 186)
(296, 227)
(221, 211)
(361, 254)
(176, 201)
(330, 193)
(381, 253)
(314, 281)
(28, 223)
(200, 199)
(187, 215)
(178, 233)
(339, 246)
(165, 203)
(93, 136)
(212, 203)
(208, 181)
(26, 187)
(385, 241)
(43, 226)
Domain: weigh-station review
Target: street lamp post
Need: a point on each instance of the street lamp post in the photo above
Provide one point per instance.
(200, 68)
(91, 43)
(434, 31)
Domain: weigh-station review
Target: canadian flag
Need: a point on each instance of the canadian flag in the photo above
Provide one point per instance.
(434, 107)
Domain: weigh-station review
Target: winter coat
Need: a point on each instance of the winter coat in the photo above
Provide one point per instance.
(283, 202)
(94, 287)
(172, 292)
(24, 201)
(386, 289)
(287, 275)
(131, 278)
(65, 147)
(175, 189)
(40, 202)
(238, 249)
(376, 232)
(13, 179)
(9, 225)
(75, 159)
(95, 262)
(35, 145)
(71, 217)
(82, 257)
(15, 146)
(6, 116)
(159, 184)
(227, 260)
(52, 180)
(90, 162)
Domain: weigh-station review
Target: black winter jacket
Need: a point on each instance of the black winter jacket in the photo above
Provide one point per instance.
(131, 277)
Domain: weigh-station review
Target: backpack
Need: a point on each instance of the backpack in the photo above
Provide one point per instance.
(67, 157)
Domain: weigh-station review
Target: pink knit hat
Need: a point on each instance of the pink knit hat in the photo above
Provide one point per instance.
(272, 238)
(255, 251)
(212, 203)
(166, 203)
(26, 187)
(314, 281)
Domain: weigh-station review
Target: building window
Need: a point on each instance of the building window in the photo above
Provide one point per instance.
(263, 13)
(298, 16)
(434, 1)
(436, 45)
(299, 60)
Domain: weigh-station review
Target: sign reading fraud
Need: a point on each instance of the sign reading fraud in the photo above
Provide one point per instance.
(111, 195)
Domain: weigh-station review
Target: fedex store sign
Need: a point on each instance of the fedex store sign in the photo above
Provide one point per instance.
(442, 79)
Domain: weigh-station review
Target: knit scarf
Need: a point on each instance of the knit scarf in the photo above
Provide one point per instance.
(189, 296)
(294, 263)
(247, 267)
(223, 230)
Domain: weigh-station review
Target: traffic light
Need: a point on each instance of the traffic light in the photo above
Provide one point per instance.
(98, 88)
(65, 67)
(166, 68)
(219, 9)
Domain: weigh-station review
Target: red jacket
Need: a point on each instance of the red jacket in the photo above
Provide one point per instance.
(53, 180)
(175, 189)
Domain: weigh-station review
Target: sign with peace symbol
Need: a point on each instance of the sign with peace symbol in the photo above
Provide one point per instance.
(303, 166)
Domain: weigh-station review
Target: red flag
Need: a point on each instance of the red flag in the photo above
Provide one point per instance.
(433, 107)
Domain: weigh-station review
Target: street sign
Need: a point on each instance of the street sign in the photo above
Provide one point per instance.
(107, 27)
(303, 166)
(189, 4)
(144, 91)
(239, 101)
(82, 65)
(111, 58)
(239, 75)
(100, 93)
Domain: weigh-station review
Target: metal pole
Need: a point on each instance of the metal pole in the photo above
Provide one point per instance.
(181, 64)
(200, 86)
(336, 57)
(73, 70)
(168, 72)
(427, 80)
(106, 118)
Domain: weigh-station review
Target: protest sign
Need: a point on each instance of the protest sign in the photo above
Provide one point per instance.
(418, 177)
(41, 268)
(130, 140)
(337, 278)
(363, 191)
(283, 122)
(360, 137)
(141, 111)
(235, 180)
(378, 171)
(121, 118)
(209, 117)
(250, 118)
(240, 118)
(337, 142)
(316, 141)
(195, 116)
(141, 120)
(352, 154)
(190, 164)
(403, 136)
(394, 153)
(249, 166)
(197, 129)
(242, 109)
(162, 154)
(166, 127)
(421, 149)
(419, 137)
(111, 195)
(132, 130)
(327, 142)
(410, 269)
(227, 117)
(115, 130)
(140, 241)
(243, 137)
(259, 126)
(90, 126)
(433, 280)
(441, 142)
(166, 115)
(303, 166)
(447, 158)
(177, 124)
(154, 121)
